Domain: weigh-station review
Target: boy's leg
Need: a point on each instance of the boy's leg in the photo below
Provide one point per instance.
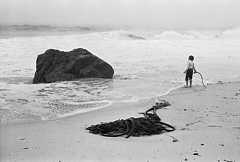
(186, 84)
(186, 79)
(190, 82)
(190, 77)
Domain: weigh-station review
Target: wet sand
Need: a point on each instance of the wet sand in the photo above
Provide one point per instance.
(207, 122)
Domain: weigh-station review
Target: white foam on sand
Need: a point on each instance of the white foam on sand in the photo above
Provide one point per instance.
(80, 111)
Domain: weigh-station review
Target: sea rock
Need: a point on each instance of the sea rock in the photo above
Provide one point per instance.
(54, 65)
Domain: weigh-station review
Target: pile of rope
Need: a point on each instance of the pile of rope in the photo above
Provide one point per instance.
(149, 124)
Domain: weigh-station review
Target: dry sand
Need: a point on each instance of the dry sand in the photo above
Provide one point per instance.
(207, 123)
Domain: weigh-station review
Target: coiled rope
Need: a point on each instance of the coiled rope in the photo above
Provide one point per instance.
(201, 79)
(150, 124)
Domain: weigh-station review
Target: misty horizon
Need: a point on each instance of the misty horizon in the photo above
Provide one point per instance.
(106, 27)
(194, 14)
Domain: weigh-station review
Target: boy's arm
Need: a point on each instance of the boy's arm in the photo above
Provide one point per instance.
(186, 68)
(194, 69)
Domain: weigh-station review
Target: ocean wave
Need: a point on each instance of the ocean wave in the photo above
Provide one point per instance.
(168, 34)
(44, 28)
(174, 35)
(9, 31)
(231, 33)
(120, 34)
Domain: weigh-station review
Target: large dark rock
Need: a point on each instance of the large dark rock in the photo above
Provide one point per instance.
(55, 65)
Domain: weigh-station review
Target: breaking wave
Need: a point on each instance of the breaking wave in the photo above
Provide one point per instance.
(7, 31)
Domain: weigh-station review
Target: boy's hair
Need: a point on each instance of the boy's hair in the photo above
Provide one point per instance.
(191, 58)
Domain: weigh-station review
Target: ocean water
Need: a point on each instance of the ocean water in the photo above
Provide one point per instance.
(147, 64)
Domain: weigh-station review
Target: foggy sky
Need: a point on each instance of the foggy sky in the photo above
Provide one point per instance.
(137, 13)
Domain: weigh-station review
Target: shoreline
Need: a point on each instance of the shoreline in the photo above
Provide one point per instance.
(108, 105)
(82, 111)
(78, 112)
(206, 121)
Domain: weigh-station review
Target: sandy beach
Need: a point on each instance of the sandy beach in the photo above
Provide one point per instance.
(74, 72)
(206, 120)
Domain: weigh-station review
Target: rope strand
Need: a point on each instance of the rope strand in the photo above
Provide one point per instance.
(201, 79)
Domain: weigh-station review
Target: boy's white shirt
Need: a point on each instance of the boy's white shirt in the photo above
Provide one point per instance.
(190, 64)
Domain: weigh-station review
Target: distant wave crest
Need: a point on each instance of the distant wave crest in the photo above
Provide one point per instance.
(119, 34)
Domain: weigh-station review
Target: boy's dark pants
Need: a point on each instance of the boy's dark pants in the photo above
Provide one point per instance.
(189, 74)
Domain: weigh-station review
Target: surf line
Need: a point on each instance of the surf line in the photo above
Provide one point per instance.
(80, 111)
(158, 98)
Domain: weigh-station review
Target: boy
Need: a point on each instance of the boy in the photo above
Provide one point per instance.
(189, 71)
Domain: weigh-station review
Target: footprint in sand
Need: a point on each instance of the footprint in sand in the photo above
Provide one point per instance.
(192, 123)
(237, 94)
(22, 101)
(4, 89)
(236, 128)
(215, 126)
